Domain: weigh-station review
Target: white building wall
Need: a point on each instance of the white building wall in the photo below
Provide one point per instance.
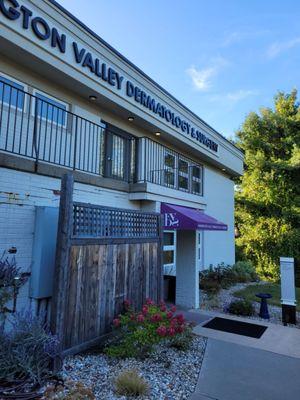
(219, 196)
(20, 192)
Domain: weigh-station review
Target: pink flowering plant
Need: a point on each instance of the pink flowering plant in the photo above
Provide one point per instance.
(140, 331)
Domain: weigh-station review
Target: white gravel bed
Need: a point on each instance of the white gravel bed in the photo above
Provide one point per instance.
(221, 301)
(171, 374)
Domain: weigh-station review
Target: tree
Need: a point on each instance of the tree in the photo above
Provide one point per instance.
(268, 194)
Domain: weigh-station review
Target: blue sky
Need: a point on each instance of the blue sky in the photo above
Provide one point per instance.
(222, 59)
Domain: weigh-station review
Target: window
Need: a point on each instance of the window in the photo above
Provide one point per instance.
(183, 175)
(169, 253)
(12, 92)
(50, 109)
(196, 180)
(169, 169)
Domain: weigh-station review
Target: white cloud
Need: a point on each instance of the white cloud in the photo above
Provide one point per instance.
(202, 78)
(278, 47)
(240, 36)
(231, 98)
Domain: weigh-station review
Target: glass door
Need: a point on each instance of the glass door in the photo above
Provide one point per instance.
(169, 253)
(118, 154)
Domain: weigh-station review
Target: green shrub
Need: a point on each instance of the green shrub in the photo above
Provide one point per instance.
(140, 331)
(182, 342)
(213, 279)
(209, 286)
(244, 271)
(241, 307)
(130, 383)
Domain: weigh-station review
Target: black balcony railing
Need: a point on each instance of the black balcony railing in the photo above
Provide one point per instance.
(166, 167)
(35, 128)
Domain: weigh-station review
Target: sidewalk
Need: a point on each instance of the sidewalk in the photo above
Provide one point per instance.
(237, 367)
(277, 338)
(235, 372)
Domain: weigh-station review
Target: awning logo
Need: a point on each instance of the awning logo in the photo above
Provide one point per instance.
(171, 220)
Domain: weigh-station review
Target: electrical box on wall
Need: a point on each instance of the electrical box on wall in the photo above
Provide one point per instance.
(44, 248)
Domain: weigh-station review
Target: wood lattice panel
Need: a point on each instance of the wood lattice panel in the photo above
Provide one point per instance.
(102, 222)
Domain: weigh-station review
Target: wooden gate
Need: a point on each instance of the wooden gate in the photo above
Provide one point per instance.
(103, 257)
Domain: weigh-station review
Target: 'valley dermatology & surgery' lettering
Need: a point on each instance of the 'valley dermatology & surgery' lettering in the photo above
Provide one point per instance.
(13, 11)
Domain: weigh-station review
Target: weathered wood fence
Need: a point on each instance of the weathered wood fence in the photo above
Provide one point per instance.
(103, 257)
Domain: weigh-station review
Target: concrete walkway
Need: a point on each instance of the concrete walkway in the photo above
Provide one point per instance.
(277, 338)
(237, 367)
(237, 372)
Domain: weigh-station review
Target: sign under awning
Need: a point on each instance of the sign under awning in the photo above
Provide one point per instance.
(179, 217)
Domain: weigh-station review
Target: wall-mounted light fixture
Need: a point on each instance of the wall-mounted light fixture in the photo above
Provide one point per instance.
(93, 98)
(130, 119)
(157, 134)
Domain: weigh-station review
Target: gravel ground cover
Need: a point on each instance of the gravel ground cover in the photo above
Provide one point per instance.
(171, 374)
(221, 301)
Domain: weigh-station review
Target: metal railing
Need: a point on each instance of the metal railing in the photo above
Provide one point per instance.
(42, 130)
(163, 166)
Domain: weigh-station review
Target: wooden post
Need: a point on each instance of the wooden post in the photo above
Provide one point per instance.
(63, 246)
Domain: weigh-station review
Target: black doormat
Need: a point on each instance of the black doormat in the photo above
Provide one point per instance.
(237, 327)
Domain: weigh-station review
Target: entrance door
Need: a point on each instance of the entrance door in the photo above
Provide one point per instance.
(169, 256)
(118, 154)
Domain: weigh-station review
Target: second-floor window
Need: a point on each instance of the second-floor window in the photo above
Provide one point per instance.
(169, 170)
(180, 173)
(196, 180)
(50, 109)
(11, 92)
(183, 174)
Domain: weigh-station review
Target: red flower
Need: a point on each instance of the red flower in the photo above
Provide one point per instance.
(156, 318)
(180, 319)
(171, 331)
(116, 322)
(162, 303)
(169, 314)
(161, 330)
(145, 310)
(173, 309)
(163, 308)
(140, 318)
(132, 317)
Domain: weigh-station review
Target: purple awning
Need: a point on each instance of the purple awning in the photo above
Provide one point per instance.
(179, 217)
